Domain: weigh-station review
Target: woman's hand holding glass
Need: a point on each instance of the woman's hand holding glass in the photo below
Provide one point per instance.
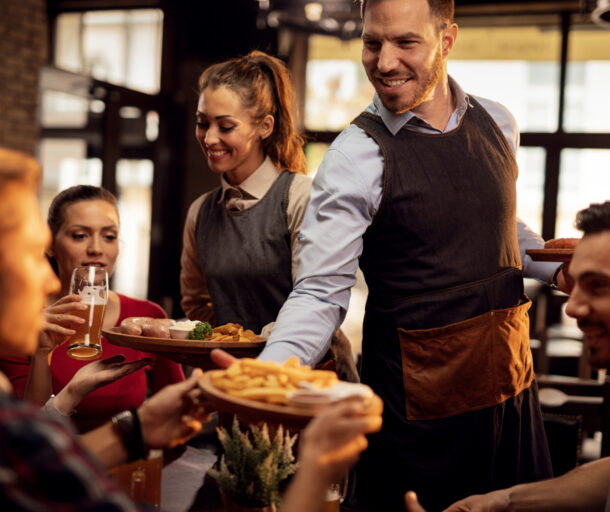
(59, 321)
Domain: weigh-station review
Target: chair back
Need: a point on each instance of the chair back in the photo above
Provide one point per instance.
(586, 399)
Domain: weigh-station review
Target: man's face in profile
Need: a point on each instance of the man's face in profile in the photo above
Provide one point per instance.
(589, 301)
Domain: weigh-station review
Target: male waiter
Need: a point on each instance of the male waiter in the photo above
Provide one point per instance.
(420, 191)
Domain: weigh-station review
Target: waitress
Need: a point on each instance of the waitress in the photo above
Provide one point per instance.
(239, 257)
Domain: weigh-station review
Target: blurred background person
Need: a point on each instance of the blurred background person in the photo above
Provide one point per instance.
(45, 467)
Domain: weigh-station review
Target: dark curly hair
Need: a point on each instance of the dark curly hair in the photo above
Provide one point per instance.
(594, 219)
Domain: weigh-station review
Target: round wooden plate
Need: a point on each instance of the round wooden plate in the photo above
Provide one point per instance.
(251, 411)
(190, 352)
(550, 254)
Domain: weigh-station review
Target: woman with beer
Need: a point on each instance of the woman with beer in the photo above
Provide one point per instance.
(84, 222)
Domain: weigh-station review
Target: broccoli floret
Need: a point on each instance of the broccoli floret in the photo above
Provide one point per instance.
(201, 331)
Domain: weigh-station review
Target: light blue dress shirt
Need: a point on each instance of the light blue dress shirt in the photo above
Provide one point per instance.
(345, 196)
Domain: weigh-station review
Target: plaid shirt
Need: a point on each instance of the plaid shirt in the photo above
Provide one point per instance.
(44, 467)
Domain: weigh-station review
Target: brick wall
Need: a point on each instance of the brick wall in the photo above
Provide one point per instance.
(23, 50)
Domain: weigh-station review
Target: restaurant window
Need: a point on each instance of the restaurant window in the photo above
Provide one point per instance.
(134, 190)
(337, 88)
(121, 47)
(516, 66)
(587, 108)
(584, 178)
(65, 164)
(530, 186)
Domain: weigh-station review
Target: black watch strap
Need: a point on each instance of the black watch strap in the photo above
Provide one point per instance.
(127, 424)
(553, 283)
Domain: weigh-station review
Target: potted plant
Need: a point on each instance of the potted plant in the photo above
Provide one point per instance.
(253, 466)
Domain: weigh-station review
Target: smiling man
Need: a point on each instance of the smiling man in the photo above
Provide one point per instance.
(589, 300)
(420, 192)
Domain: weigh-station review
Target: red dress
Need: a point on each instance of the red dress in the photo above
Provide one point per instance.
(130, 391)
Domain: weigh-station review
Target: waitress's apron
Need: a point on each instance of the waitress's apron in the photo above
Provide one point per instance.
(246, 258)
(445, 339)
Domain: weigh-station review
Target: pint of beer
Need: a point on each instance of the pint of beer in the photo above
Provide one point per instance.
(335, 494)
(91, 283)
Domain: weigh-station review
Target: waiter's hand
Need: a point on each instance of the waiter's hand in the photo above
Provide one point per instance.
(221, 358)
(564, 282)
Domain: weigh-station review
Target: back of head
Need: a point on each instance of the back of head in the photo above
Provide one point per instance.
(72, 195)
(264, 86)
(442, 9)
(16, 170)
(594, 219)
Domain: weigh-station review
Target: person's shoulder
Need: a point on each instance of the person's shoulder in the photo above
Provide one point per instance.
(196, 204)
(300, 188)
(139, 307)
(301, 181)
(500, 113)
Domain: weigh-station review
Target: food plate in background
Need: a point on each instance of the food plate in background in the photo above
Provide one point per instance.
(550, 254)
(251, 411)
(190, 352)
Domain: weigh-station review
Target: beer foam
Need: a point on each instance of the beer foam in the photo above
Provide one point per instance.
(94, 295)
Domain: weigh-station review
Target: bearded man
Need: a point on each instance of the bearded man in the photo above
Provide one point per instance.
(420, 190)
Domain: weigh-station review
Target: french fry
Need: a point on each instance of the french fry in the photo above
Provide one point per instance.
(267, 381)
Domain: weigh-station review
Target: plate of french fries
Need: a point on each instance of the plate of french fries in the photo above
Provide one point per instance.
(194, 353)
(257, 390)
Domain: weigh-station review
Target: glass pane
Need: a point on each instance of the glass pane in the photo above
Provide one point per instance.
(587, 108)
(134, 187)
(530, 186)
(516, 66)
(337, 86)
(64, 164)
(121, 47)
(63, 110)
(584, 179)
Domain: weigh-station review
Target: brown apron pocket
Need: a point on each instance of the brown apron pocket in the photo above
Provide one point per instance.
(468, 365)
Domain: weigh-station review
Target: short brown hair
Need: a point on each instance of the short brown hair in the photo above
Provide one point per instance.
(442, 9)
(17, 170)
(18, 166)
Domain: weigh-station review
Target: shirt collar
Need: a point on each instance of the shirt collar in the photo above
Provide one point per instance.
(254, 186)
(395, 122)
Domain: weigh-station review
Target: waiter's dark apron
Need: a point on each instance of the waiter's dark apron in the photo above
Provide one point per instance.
(246, 258)
(445, 339)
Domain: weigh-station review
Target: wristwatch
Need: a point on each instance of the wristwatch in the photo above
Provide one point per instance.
(553, 283)
(127, 424)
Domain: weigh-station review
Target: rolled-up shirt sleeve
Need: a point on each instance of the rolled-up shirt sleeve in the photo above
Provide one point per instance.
(340, 210)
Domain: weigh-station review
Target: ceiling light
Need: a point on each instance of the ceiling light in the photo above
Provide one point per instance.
(313, 11)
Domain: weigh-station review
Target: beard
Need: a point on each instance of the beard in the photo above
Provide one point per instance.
(424, 84)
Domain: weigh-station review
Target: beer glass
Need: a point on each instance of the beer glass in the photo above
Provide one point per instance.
(91, 283)
(335, 494)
